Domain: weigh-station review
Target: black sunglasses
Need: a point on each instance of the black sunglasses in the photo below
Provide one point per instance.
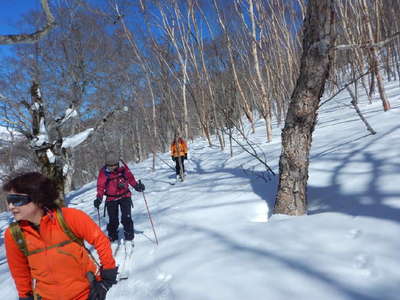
(18, 200)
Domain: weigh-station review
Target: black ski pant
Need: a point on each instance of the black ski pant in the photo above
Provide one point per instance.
(180, 159)
(126, 218)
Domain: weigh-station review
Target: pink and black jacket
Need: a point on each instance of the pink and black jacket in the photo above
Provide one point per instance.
(115, 185)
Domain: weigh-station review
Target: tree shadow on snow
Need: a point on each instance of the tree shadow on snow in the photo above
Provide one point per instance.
(244, 252)
(368, 200)
(265, 191)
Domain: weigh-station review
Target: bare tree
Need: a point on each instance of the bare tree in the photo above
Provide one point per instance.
(202, 64)
(374, 56)
(244, 101)
(258, 81)
(301, 116)
(147, 72)
(364, 39)
(68, 67)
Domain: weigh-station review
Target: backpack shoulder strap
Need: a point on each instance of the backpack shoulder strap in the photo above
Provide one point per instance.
(107, 174)
(67, 230)
(18, 237)
(72, 235)
(124, 172)
(103, 169)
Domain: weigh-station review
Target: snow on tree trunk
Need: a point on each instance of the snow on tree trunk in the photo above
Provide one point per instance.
(302, 112)
(45, 152)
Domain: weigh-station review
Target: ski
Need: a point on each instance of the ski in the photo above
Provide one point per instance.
(123, 273)
(114, 248)
(180, 179)
(123, 269)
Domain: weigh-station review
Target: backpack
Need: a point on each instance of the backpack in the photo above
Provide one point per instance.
(120, 175)
(19, 237)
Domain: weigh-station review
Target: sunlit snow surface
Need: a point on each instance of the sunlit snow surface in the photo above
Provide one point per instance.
(218, 240)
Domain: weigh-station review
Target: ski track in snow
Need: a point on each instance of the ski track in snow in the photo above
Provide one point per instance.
(153, 284)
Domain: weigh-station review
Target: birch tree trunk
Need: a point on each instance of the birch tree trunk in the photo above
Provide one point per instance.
(147, 72)
(264, 97)
(173, 33)
(244, 103)
(374, 58)
(302, 113)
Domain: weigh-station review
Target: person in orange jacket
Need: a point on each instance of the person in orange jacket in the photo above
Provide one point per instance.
(54, 266)
(179, 151)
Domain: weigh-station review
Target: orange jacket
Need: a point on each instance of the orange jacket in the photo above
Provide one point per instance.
(58, 272)
(179, 149)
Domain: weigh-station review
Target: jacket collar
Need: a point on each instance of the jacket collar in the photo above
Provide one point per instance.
(117, 171)
(49, 216)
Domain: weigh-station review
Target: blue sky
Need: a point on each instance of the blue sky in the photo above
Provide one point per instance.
(11, 11)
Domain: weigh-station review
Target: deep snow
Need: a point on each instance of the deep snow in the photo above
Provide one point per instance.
(218, 240)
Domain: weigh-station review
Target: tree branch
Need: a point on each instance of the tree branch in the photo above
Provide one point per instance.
(367, 45)
(10, 39)
(344, 87)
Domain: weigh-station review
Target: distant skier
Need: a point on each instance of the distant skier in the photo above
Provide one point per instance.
(179, 151)
(45, 251)
(113, 181)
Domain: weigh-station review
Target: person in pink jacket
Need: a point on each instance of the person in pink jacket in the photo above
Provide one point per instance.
(113, 182)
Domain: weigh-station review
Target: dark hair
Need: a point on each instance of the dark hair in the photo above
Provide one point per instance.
(40, 188)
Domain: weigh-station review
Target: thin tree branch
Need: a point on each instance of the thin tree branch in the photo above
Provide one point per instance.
(22, 38)
(344, 87)
(367, 45)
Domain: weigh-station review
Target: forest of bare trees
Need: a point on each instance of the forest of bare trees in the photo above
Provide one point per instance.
(132, 73)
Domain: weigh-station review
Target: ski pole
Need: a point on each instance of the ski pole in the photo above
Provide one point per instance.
(98, 215)
(148, 212)
(163, 160)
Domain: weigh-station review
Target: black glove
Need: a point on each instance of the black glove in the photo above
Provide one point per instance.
(139, 187)
(186, 156)
(97, 203)
(26, 298)
(99, 289)
(173, 158)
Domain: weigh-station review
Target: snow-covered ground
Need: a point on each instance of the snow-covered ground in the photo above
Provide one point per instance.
(218, 240)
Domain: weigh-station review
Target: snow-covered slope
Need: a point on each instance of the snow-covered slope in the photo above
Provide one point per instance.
(219, 242)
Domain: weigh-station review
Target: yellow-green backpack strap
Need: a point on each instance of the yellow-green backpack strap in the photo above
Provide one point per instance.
(18, 237)
(66, 228)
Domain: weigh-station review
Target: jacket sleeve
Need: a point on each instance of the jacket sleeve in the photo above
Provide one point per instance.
(18, 265)
(85, 228)
(131, 179)
(101, 184)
